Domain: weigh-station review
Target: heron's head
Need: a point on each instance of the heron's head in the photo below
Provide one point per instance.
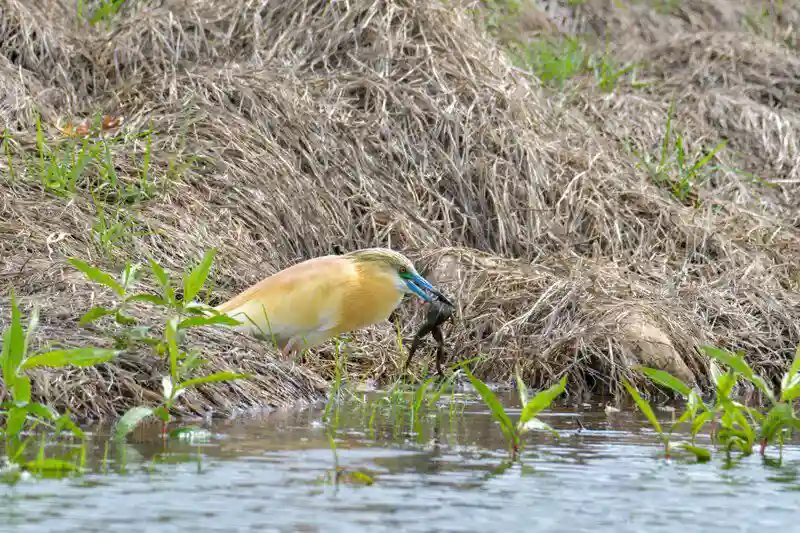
(402, 270)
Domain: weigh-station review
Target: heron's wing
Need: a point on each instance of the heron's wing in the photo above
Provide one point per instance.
(302, 299)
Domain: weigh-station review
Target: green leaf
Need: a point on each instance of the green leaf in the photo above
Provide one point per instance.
(685, 416)
(542, 400)
(123, 319)
(701, 420)
(97, 275)
(22, 389)
(130, 419)
(792, 393)
(534, 424)
(738, 364)
(64, 422)
(498, 412)
(212, 378)
(191, 362)
(130, 275)
(51, 465)
(716, 372)
(149, 298)
(172, 347)
(197, 278)
(70, 357)
(666, 379)
(95, 313)
(643, 405)
(763, 387)
(702, 454)
(791, 379)
(162, 413)
(734, 361)
(795, 369)
(725, 384)
(780, 416)
(15, 420)
(208, 321)
(163, 279)
(45, 412)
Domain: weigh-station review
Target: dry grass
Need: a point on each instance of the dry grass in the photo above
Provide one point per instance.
(284, 131)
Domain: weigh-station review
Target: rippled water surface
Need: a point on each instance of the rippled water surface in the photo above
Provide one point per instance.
(275, 474)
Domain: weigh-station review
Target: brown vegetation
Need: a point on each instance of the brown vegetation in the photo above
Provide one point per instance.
(282, 132)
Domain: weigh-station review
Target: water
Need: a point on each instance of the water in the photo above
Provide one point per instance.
(268, 474)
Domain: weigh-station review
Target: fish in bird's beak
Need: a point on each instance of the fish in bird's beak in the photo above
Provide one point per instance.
(425, 290)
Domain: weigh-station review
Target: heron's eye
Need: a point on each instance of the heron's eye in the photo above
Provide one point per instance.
(402, 270)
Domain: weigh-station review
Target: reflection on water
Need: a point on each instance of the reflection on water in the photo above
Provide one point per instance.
(447, 474)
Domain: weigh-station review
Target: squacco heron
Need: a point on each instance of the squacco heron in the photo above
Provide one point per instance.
(315, 300)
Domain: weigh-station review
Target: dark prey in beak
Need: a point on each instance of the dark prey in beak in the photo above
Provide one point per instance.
(439, 311)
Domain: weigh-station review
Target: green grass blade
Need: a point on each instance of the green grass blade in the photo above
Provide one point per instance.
(542, 400)
(197, 278)
(149, 298)
(702, 454)
(643, 405)
(13, 342)
(95, 313)
(212, 378)
(702, 162)
(97, 275)
(208, 321)
(666, 379)
(70, 357)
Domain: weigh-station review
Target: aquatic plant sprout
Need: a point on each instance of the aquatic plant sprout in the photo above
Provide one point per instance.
(181, 314)
(530, 408)
(735, 426)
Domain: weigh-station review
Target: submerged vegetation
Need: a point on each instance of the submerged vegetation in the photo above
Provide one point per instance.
(599, 203)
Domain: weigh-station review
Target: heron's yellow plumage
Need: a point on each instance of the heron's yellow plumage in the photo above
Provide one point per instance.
(315, 300)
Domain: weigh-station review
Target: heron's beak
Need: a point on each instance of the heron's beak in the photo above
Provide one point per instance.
(425, 290)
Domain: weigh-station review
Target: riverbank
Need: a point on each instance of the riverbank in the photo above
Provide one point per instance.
(540, 182)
